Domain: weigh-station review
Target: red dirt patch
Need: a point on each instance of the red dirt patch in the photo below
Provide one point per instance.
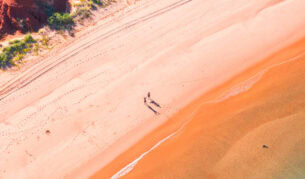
(24, 15)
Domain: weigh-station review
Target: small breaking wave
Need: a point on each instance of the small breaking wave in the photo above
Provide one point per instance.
(131, 165)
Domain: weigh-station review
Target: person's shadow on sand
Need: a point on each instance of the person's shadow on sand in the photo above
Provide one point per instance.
(151, 102)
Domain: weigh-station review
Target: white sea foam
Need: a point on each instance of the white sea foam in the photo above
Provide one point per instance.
(241, 87)
(247, 84)
(131, 165)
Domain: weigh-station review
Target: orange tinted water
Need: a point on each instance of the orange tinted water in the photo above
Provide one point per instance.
(226, 129)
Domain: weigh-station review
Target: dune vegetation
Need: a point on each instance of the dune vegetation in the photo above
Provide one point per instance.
(16, 50)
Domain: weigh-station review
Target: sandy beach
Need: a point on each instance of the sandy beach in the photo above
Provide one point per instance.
(82, 106)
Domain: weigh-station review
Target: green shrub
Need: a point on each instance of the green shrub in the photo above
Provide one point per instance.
(3, 59)
(60, 20)
(98, 2)
(16, 50)
(83, 13)
(14, 41)
(29, 39)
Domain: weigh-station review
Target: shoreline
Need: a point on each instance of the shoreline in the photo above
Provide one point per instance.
(259, 132)
(125, 162)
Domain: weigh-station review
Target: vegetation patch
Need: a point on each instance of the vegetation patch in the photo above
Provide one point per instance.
(14, 52)
(83, 8)
(61, 21)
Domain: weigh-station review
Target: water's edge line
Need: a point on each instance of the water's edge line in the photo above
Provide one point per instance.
(231, 92)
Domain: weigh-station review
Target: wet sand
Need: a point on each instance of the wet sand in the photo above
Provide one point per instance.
(250, 127)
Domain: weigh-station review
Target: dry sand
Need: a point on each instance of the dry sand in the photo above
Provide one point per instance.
(222, 133)
(75, 111)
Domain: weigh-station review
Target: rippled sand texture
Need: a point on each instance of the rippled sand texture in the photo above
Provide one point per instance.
(226, 129)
